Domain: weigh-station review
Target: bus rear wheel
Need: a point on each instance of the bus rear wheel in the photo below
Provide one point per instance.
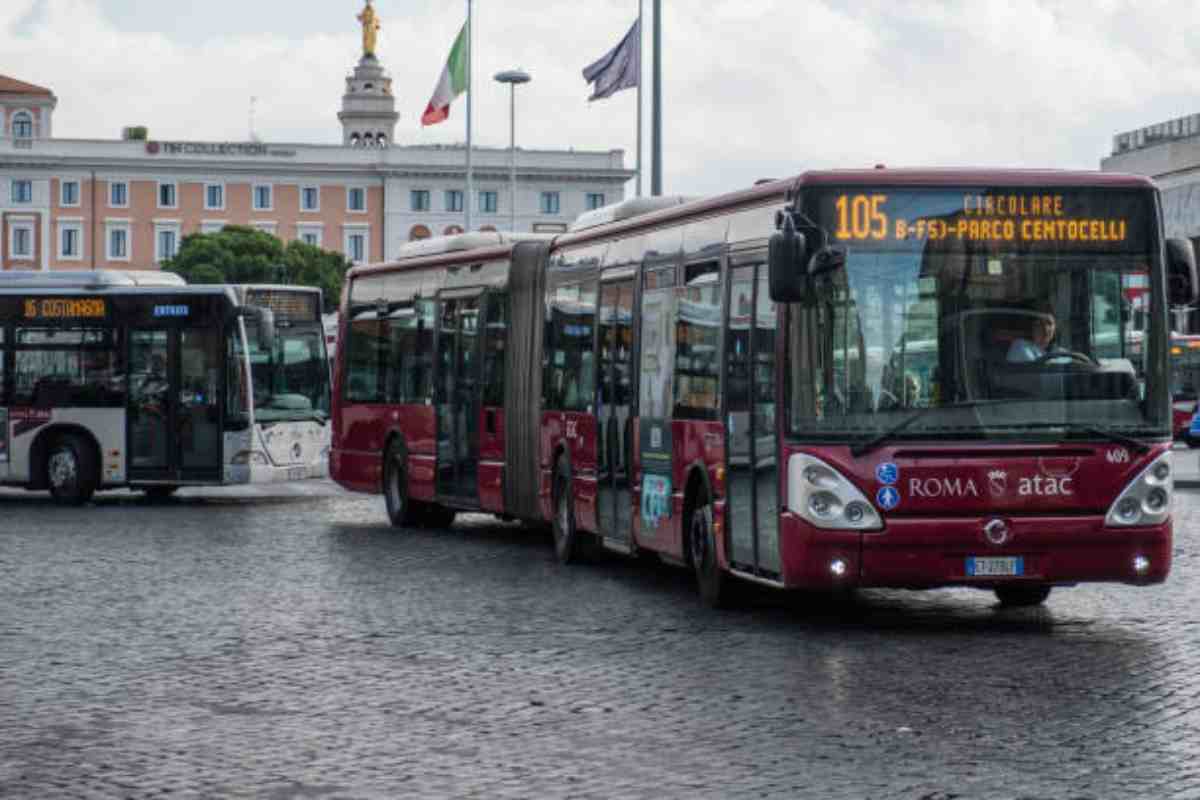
(71, 470)
(568, 547)
(1020, 596)
(434, 515)
(395, 488)
(716, 590)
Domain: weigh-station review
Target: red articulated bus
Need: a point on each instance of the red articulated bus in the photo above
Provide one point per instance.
(883, 378)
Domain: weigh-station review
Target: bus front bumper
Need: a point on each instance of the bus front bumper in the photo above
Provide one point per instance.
(929, 552)
(270, 473)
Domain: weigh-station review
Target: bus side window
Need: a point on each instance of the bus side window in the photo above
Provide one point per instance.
(363, 353)
(570, 366)
(698, 343)
(495, 336)
(3, 372)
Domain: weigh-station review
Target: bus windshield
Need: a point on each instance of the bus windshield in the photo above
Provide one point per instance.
(993, 333)
(291, 378)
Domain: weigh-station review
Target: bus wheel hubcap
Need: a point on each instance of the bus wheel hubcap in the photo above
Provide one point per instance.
(564, 514)
(699, 539)
(62, 468)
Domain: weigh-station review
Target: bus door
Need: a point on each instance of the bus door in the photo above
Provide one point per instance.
(614, 423)
(457, 395)
(175, 402)
(750, 434)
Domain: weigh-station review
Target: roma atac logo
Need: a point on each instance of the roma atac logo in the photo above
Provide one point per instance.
(998, 482)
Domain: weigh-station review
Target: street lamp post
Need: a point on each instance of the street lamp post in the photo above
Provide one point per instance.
(512, 77)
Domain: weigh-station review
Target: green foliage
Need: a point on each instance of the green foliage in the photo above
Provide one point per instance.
(238, 254)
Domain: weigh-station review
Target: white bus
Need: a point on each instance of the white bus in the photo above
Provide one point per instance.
(135, 379)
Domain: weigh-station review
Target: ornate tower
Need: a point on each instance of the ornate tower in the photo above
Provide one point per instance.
(368, 114)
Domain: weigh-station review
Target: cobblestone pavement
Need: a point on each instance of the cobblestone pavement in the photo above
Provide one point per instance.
(294, 646)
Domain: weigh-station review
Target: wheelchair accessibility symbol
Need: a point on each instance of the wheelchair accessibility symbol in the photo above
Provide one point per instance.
(887, 473)
(887, 498)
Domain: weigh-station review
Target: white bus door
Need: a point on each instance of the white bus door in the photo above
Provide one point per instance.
(175, 402)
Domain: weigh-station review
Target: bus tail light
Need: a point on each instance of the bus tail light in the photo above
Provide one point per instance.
(826, 498)
(253, 457)
(1147, 498)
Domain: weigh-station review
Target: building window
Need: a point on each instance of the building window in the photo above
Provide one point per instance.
(22, 191)
(452, 230)
(309, 234)
(550, 202)
(68, 193)
(265, 226)
(118, 194)
(310, 198)
(356, 199)
(212, 226)
(489, 202)
(22, 125)
(21, 241)
(594, 200)
(356, 247)
(454, 200)
(214, 197)
(70, 238)
(418, 233)
(166, 244)
(118, 243)
(419, 199)
(167, 195)
(262, 197)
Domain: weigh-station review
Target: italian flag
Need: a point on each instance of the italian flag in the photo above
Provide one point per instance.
(452, 83)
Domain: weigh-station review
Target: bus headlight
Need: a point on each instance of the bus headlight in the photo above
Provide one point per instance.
(1147, 498)
(251, 457)
(826, 498)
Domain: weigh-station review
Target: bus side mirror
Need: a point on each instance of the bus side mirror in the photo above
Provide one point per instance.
(787, 267)
(1181, 273)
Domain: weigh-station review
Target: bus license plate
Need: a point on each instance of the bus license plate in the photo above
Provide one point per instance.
(297, 473)
(991, 567)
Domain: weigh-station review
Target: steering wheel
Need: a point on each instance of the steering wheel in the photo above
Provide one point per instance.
(1074, 355)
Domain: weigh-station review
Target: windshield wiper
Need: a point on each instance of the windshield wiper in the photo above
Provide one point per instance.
(1079, 427)
(869, 445)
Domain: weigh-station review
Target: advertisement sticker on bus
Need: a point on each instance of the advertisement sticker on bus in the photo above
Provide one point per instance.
(656, 499)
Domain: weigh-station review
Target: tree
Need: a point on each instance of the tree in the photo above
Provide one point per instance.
(238, 254)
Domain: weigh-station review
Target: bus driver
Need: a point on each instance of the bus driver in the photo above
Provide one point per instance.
(1023, 350)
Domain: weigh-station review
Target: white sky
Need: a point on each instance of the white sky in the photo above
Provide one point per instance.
(752, 88)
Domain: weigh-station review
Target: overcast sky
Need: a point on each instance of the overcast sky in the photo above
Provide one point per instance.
(752, 88)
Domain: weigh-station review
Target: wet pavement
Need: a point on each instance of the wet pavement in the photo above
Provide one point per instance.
(286, 643)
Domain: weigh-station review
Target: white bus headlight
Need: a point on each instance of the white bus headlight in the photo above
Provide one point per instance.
(826, 498)
(1147, 498)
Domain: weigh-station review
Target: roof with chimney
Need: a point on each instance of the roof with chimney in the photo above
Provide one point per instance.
(13, 86)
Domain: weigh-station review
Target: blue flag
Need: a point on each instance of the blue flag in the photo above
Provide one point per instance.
(619, 68)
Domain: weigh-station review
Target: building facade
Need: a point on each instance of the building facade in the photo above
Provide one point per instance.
(1168, 152)
(128, 203)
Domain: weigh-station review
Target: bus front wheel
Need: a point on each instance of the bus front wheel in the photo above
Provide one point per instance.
(1018, 596)
(395, 488)
(71, 470)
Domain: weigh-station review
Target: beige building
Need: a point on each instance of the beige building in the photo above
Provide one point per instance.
(127, 203)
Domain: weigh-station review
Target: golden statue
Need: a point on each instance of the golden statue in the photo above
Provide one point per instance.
(370, 26)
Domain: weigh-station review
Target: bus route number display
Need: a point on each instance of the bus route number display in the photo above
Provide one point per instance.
(66, 308)
(994, 217)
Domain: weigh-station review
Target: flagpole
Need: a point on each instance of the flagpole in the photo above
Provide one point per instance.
(656, 111)
(641, 35)
(470, 198)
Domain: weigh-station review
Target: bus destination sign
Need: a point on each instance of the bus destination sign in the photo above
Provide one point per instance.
(1085, 220)
(67, 308)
